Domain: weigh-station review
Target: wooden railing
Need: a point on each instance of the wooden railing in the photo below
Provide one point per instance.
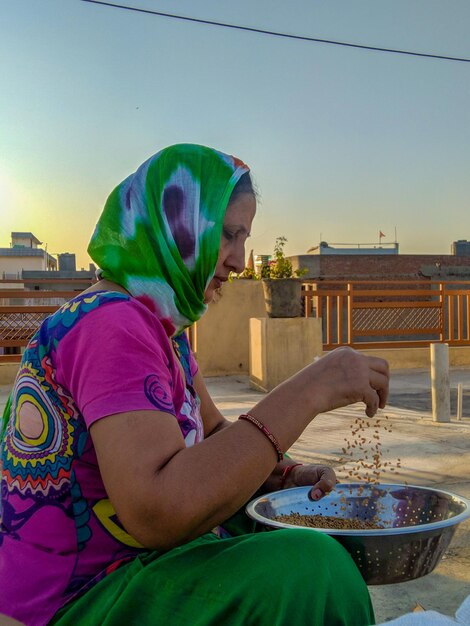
(23, 310)
(367, 314)
(378, 314)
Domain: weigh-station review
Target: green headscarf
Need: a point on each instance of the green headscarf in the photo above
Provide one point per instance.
(159, 233)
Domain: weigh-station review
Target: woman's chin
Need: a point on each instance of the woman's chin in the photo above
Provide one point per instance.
(209, 295)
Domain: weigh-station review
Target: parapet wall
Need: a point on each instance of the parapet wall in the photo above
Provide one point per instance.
(372, 266)
(221, 337)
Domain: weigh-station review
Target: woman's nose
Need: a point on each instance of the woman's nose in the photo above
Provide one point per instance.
(236, 260)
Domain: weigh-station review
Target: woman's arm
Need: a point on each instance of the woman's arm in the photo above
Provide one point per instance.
(212, 418)
(321, 477)
(166, 494)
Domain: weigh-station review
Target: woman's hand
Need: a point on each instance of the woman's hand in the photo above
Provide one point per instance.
(321, 477)
(342, 377)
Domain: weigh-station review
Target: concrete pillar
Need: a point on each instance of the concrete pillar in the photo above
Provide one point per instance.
(280, 347)
(440, 387)
(459, 401)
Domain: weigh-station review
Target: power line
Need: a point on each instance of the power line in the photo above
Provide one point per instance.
(277, 34)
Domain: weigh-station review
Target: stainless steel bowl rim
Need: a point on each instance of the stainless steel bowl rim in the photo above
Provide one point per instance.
(418, 528)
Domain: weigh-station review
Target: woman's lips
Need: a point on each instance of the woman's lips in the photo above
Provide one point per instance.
(218, 280)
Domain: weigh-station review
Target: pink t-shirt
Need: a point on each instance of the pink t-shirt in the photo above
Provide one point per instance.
(100, 354)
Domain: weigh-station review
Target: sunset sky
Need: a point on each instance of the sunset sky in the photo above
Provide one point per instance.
(342, 142)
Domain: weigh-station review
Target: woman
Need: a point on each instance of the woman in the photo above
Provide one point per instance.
(121, 479)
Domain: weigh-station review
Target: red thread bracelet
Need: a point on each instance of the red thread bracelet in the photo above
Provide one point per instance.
(285, 473)
(266, 433)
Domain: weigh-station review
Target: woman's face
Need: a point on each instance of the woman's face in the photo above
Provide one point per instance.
(235, 231)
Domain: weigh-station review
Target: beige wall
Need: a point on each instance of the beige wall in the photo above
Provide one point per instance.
(27, 242)
(8, 373)
(221, 337)
(14, 286)
(15, 264)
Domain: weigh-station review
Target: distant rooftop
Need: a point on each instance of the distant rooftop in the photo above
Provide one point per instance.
(22, 251)
(354, 248)
(20, 235)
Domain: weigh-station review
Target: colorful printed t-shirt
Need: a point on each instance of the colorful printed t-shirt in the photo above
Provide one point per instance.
(102, 353)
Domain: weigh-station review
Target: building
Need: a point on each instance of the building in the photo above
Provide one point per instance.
(67, 262)
(24, 254)
(358, 262)
(69, 280)
(25, 260)
(461, 248)
(343, 267)
(354, 248)
(24, 240)
(261, 260)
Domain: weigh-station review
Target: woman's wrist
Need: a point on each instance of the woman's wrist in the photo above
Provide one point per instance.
(288, 476)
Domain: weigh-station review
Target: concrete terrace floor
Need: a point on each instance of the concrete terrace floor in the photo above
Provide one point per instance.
(431, 454)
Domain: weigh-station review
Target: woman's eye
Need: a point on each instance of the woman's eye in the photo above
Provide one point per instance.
(228, 235)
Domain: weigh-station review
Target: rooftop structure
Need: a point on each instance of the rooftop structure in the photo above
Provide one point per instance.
(24, 254)
(67, 262)
(460, 248)
(27, 240)
(354, 248)
(18, 251)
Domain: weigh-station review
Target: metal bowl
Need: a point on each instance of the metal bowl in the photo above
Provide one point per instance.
(419, 523)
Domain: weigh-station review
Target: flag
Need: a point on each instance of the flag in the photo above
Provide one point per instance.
(381, 234)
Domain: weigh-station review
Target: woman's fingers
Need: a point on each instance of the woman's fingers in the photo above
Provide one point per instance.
(372, 403)
(326, 483)
(321, 477)
(379, 365)
(380, 377)
(379, 382)
(345, 376)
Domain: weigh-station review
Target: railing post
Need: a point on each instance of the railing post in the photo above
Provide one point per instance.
(440, 388)
(459, 317)
(459, 401)
(443, 312)
(450, 313)
(467, 312)
(329, 320)
(339, 320)
(350, 312)
(315, 300)
(306, 300)
(318, 305)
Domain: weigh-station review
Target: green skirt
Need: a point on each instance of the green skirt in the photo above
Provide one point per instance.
(295, 577)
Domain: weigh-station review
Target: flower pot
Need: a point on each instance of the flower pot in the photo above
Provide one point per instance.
(283, 297)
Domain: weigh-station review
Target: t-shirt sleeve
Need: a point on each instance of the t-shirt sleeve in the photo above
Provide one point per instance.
(117, 359)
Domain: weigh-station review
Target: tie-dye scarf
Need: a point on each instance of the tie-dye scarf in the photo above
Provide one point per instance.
(159, 233)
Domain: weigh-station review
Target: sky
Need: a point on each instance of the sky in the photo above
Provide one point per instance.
(342, 143)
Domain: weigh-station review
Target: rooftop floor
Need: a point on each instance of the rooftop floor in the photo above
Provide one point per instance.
(431, 453)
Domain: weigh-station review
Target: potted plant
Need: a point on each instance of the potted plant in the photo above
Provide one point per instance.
(282, 285)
